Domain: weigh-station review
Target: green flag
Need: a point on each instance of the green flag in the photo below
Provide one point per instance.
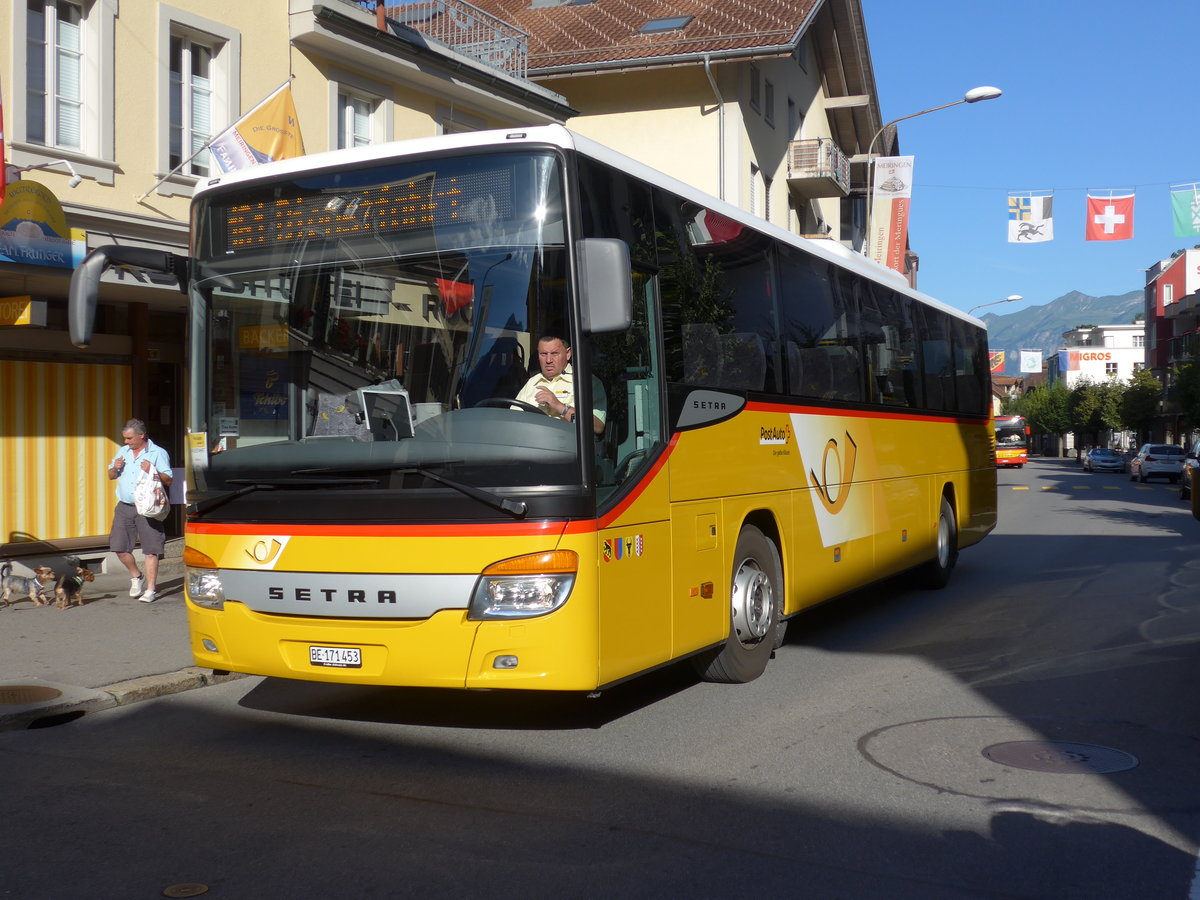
(1185, 209)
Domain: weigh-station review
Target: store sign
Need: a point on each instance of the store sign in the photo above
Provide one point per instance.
(22, 311)
(33, 229)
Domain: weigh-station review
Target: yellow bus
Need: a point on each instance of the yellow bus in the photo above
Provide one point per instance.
(775, 421)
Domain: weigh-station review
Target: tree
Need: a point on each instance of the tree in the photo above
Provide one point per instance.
(1187, 390)
(1095, 407)
(1139, 403)
(1048, 410)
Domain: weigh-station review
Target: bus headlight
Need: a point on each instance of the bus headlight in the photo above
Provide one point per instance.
(204, 588)
(525, 586)
(203, 580)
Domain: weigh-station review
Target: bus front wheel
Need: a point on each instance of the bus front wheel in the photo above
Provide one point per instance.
(756, 599)
(938, 569)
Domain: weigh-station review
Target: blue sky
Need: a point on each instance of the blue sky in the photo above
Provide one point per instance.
(1096, 97)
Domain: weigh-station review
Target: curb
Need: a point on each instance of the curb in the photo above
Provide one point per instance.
(34, 703)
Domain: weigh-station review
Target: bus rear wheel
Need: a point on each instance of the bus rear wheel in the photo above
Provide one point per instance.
(756, 599)
(937, 570)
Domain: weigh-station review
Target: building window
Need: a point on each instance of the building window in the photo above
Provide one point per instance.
(769, 103)
(199, 95)
(755, 89)
(666, 23)
(1110, 369)
(1139, 341)
(794, 120)
(1168, 294)
(356, 117)
(54, 66)
(191, 105)
(64, 51)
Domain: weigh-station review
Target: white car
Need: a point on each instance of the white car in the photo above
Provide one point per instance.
(1157, 461)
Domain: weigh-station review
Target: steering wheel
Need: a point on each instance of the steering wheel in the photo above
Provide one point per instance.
(505, 401)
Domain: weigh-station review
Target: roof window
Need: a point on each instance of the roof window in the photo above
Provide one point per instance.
(667, 23)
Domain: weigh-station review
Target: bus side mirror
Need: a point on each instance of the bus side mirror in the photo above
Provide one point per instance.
(85, 282)
(605, 285)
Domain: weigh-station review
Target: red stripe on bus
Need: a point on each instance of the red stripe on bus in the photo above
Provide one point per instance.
(763, 406)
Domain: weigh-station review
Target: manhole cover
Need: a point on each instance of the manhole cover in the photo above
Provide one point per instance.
(1060, 757)
(20, 694)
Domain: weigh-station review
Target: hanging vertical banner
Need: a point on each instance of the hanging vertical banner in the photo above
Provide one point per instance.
(1185, 209)
(889, 210)
(1109, 218)
(268, 132)
(1030, 218)
(1031, 361)
(996, 361)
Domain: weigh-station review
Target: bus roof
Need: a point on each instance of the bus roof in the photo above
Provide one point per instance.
(558, 136)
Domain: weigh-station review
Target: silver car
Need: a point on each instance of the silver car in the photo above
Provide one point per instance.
(1157, 461)
(1103, 459)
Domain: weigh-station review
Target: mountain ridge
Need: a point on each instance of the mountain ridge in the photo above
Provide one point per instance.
(1042, 327)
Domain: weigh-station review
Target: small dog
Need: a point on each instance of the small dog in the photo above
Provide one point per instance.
(34, 588)
(70, 587)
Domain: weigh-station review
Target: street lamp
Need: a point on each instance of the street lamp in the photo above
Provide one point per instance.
(11, 171)
(974, 95)
(1011, 298)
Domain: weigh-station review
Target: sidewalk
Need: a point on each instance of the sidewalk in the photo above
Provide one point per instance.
(112, 650)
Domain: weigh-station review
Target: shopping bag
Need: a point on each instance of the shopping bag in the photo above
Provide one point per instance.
(149, 495)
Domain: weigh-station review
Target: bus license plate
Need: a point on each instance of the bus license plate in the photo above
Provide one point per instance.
(336, 657)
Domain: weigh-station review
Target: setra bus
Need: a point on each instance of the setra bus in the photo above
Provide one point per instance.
(777, 421)
(1012, 441)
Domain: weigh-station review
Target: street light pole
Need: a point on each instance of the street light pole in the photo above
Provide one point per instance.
(974, 95)
(1011, 298)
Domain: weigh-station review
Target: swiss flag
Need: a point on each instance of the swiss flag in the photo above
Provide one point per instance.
(1109, 218)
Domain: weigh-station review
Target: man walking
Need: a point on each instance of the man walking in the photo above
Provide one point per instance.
(138, 455)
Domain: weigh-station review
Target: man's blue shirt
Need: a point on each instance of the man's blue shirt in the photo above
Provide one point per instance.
(133, 467)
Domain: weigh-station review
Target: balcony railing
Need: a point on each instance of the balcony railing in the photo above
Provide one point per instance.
(817, 167)
(464, 28)
(1183, 348)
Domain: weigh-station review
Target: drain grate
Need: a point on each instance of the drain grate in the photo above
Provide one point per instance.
(21, 694)
(1060, 757)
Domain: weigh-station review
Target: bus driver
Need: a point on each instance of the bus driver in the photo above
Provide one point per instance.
(552, 389)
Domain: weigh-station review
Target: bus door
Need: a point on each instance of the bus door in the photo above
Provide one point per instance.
(634, 542)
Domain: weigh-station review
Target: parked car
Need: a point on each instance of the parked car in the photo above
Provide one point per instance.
(1187, 475)
(1103, 459)
(1157, 461)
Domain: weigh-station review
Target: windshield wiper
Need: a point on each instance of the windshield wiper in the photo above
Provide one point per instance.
(254, 484)
(515, 508)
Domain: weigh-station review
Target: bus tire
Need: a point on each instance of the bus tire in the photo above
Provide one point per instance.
(755, 599)
(937, 570)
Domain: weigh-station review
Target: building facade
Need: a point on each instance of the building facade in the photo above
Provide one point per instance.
(770, 106)
(1173, 335)
(1099, 352)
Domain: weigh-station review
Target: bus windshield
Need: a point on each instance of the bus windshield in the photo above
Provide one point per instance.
(1011, 435)
(371, 327)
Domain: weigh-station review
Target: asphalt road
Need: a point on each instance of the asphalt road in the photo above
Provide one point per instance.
(1030, 731)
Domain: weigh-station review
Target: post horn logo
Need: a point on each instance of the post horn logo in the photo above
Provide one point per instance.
(265, 552)
(834, 492)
